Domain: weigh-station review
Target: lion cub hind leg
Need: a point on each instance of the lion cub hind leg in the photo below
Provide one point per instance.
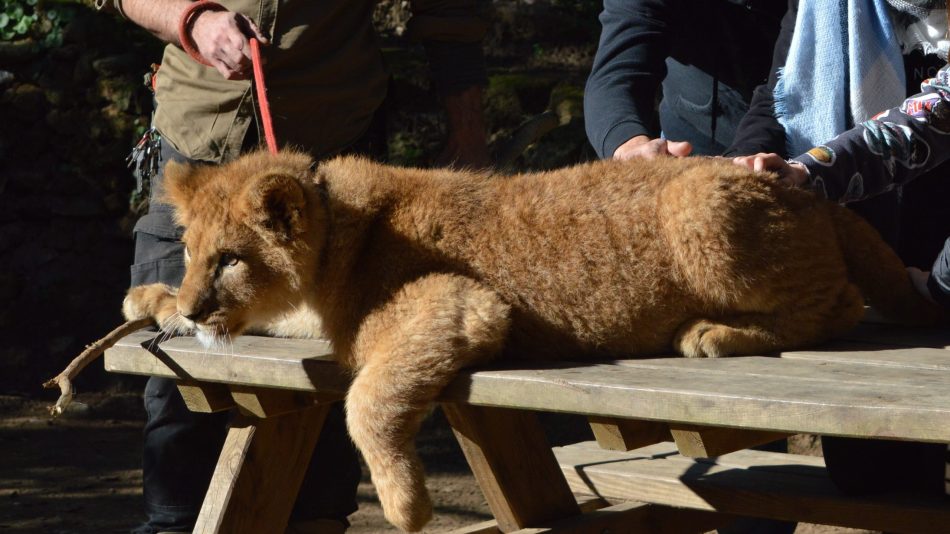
(405, 353)
(704, 338)
(809, 319)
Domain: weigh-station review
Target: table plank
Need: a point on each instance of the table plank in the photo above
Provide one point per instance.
(902, 336)
(252, 347)
(864, 353)
(906, 399)
(300, 364)
(636, 518)
(865, 366)
(786, 487)
(766, 402)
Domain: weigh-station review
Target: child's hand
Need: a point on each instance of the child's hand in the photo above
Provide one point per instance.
(793, 174)
(919, 279)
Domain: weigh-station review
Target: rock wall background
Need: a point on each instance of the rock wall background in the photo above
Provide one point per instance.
(72, 103)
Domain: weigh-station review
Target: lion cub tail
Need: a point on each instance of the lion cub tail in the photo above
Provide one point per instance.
(875, 268)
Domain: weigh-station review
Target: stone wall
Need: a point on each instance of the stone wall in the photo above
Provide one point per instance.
(68, 115)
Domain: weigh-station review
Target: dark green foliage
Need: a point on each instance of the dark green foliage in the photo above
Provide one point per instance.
(42, 21)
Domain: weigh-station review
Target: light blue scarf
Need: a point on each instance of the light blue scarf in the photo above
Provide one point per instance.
(844, 66)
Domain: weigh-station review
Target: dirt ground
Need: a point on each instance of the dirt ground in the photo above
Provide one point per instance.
(81, 473)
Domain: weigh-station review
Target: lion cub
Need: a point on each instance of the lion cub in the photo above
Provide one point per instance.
(417, 274)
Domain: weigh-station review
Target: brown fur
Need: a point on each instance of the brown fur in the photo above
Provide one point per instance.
(419, 273)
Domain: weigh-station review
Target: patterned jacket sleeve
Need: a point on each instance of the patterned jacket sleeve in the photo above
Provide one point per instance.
(891, 149)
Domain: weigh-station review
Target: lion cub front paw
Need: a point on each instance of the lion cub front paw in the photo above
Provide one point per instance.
(154, 301)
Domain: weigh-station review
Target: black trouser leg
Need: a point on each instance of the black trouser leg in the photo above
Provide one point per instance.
(180, 451)
(868, 466)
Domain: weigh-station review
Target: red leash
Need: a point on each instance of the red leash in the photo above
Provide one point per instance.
(262, 96)
(188, 45)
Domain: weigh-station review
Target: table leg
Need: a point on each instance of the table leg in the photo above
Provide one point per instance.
(707, 442)
(627, 434)
(259, 472)
(513, 464)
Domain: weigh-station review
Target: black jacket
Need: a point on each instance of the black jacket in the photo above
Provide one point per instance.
(718, 52)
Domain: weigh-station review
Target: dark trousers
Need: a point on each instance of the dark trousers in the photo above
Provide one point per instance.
(182, 447)
(869, 466)
(913, 221)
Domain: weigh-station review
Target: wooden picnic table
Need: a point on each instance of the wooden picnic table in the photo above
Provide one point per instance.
(671, 432)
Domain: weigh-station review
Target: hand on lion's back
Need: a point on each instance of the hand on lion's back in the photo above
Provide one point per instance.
(416, 274)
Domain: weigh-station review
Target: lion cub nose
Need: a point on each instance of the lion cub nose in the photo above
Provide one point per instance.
(193, 314)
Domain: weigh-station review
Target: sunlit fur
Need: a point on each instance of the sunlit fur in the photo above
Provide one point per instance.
(416, 274)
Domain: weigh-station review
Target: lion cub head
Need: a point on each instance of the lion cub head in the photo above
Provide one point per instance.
(250, 245)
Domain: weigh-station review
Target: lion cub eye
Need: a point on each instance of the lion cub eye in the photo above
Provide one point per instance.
(228, 260)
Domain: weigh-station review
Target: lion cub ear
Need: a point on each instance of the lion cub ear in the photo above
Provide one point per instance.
(275, 204)
(179, 187)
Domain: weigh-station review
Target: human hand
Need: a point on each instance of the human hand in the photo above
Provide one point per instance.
(642, 146)
(222, 38)
(790, 173)
(919, 279)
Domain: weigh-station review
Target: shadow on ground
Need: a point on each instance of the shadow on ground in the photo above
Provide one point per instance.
(81, 473)
(76, 474)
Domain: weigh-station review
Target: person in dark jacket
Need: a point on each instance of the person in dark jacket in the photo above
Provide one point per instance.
(871, 156)
(708, 56)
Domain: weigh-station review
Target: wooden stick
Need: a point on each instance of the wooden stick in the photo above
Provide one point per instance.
(64, 379)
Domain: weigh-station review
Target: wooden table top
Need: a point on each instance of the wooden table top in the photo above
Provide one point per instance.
(878, 381)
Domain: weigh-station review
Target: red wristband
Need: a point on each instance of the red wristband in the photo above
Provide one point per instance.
(188, 17)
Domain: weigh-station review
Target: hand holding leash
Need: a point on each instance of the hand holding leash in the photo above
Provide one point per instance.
(219, 38)
(234, 44)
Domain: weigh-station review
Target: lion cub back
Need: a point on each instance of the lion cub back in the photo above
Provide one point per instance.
(584, 256)
(613, 258)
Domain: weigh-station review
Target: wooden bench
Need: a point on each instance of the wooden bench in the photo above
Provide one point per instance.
(745, 483)
(878, 382)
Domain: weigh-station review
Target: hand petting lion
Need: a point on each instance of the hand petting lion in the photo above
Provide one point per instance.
(416, 274)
